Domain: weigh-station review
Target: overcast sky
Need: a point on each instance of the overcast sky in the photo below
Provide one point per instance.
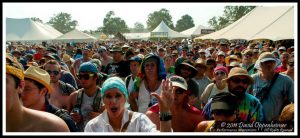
(90, 15)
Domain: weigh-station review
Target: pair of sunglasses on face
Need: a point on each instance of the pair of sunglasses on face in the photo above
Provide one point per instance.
(179, 91)
(53, 72)
(238, 80)
(220, 73)
(85, 76)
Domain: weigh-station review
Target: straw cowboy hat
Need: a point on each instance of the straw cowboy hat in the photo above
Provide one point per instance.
(238, 71)
(39, 75)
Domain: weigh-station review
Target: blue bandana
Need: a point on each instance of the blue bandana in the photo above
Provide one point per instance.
(114, 82)
(88, 67)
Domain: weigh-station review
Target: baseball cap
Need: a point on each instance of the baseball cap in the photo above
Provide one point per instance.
(178, 81)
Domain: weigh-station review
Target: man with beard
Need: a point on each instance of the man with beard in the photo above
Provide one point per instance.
(85, 103)
(61, 91)
(274, 93)
(249, 107)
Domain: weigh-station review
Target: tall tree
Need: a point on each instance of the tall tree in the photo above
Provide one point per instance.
(63, 22)
(138, 27)
(156, 17)
(231, 14)
(36, 19)
(113, 25)
(184, 23)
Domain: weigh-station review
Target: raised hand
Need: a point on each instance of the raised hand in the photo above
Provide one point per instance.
(165, 99)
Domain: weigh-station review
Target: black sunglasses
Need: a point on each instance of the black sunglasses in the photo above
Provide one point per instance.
(238, 80)
(291, 64)
(179, 91)
(54, 72)
(85, 76)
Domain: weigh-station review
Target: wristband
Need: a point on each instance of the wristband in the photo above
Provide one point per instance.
(165, 116)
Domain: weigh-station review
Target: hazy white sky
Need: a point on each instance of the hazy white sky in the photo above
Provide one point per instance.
(90, 15)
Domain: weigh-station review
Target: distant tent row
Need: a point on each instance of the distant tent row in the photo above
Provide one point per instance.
(274, 23)
(29, 30)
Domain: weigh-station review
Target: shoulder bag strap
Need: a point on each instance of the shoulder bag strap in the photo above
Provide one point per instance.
(270, 86)
(124, 128)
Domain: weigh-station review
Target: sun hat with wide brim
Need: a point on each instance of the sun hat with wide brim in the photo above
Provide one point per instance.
(266, 56)
(238, 71)
(190, 65)
(39, 75)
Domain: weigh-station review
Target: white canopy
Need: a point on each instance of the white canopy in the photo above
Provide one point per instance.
(274, 23)
(196, 30)
(162, 30)
(76, 36)
(137, 36)
(29, 30)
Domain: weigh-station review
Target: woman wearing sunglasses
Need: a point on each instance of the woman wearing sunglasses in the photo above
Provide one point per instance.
(218, 86)
(186, 117)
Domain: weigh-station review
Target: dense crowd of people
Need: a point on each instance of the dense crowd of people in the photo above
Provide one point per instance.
(147, 86)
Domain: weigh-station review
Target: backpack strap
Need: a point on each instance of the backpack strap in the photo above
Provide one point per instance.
(250, 67)
(79, 98)
(97, 101)
(127, 80)
(60, 113)
(124, 128)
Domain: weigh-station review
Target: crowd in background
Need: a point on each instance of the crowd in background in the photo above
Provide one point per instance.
(143, 86)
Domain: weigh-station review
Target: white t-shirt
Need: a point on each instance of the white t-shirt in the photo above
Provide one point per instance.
(138, 123)
(130, 85)
(144, 98)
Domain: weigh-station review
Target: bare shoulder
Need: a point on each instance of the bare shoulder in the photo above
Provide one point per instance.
(201, 126)
(45, 122)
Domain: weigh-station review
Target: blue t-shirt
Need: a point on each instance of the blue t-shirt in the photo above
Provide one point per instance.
(282, 87)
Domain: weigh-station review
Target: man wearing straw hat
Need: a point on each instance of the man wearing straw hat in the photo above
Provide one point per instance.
(249, 107)
(36, 92)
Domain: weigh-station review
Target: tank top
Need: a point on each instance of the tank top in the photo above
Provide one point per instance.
(144, 98)
(86, 108)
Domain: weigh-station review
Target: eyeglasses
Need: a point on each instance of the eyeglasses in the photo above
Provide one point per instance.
(85, 76)
(291, 64)
(101, 51)
(238, 80)
(220, 73)
(179, 91)
(189, 55)
(54, 72)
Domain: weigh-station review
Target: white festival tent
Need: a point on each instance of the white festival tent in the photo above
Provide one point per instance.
(274, 23)
(76, 36)
(137, 36)
(162, 30)
(28, 30)
(196, 30)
